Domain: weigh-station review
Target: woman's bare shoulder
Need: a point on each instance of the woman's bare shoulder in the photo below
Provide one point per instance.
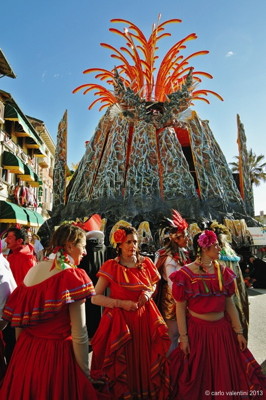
(193, 267)
(40, 272)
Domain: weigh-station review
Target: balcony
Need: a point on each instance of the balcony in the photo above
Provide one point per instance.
(43, 162)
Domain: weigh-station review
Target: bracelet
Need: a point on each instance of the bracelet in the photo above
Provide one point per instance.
(239, 333)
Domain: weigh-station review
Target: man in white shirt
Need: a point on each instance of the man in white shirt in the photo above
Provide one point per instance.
(7, 285)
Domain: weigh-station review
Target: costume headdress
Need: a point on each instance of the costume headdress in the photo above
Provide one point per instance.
(177, 222)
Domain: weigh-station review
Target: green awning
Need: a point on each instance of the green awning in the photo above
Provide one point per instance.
(12, 163)
(5, 67)
(12, 214)
(27, 175)
(34, 218)
(12, 114)
(39, 218)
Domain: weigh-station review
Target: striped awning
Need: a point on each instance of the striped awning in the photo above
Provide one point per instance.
(24, 128)
(12, 163)
(12, 214)
(34, 219)
(27, 175)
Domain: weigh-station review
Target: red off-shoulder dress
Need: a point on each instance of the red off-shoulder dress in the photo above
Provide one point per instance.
(43, 366)
(130, 347)
(216, 368)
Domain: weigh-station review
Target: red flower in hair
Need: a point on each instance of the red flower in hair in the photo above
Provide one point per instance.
(120, 236)
(207, 239)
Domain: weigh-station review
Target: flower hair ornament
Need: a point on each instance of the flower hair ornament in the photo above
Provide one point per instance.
(119, 236)
(61, 259)
(207, 239)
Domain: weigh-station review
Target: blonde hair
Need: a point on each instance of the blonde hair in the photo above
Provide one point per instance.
(66, 233)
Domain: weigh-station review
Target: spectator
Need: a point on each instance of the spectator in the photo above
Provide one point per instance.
(7, 285)
(34, 239)
(258, 276)
(21, 258)
(91, 262)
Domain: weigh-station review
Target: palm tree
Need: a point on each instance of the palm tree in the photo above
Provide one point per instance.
(257, 170)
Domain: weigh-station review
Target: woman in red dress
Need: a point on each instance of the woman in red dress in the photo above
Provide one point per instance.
(130, 344)
(212, 361)
(50, 359)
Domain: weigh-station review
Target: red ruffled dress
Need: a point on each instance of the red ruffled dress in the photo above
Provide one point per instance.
(43, 365)
(129, 347)
(215, 368)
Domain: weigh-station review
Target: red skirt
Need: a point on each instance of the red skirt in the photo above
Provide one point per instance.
(216, 369)
(129, 348)
(45, 369)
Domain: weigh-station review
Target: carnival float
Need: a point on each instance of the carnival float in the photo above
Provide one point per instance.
(150, 152)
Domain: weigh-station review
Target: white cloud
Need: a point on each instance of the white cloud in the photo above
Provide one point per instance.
(229, 54)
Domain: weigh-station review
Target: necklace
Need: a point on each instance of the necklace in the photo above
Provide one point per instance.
(204, 268)
(217, 268)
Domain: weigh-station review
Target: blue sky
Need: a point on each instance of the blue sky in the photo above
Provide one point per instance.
(50, 43)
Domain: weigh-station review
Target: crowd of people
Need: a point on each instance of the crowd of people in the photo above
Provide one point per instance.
(172, 328)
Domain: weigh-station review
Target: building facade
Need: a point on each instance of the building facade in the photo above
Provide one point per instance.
(26, 163)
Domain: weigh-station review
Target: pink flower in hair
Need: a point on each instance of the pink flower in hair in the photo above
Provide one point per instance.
(120, 236)
(207, 239)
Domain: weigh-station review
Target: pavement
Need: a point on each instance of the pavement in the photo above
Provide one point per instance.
(257, 325)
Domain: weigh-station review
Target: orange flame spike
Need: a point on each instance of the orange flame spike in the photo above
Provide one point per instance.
(205, 92)
(103, 106)
(131, 26)
(206, 74)
(88, 71)
(170, 21)
(80, 88)
(93, 103)
(201, 98)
